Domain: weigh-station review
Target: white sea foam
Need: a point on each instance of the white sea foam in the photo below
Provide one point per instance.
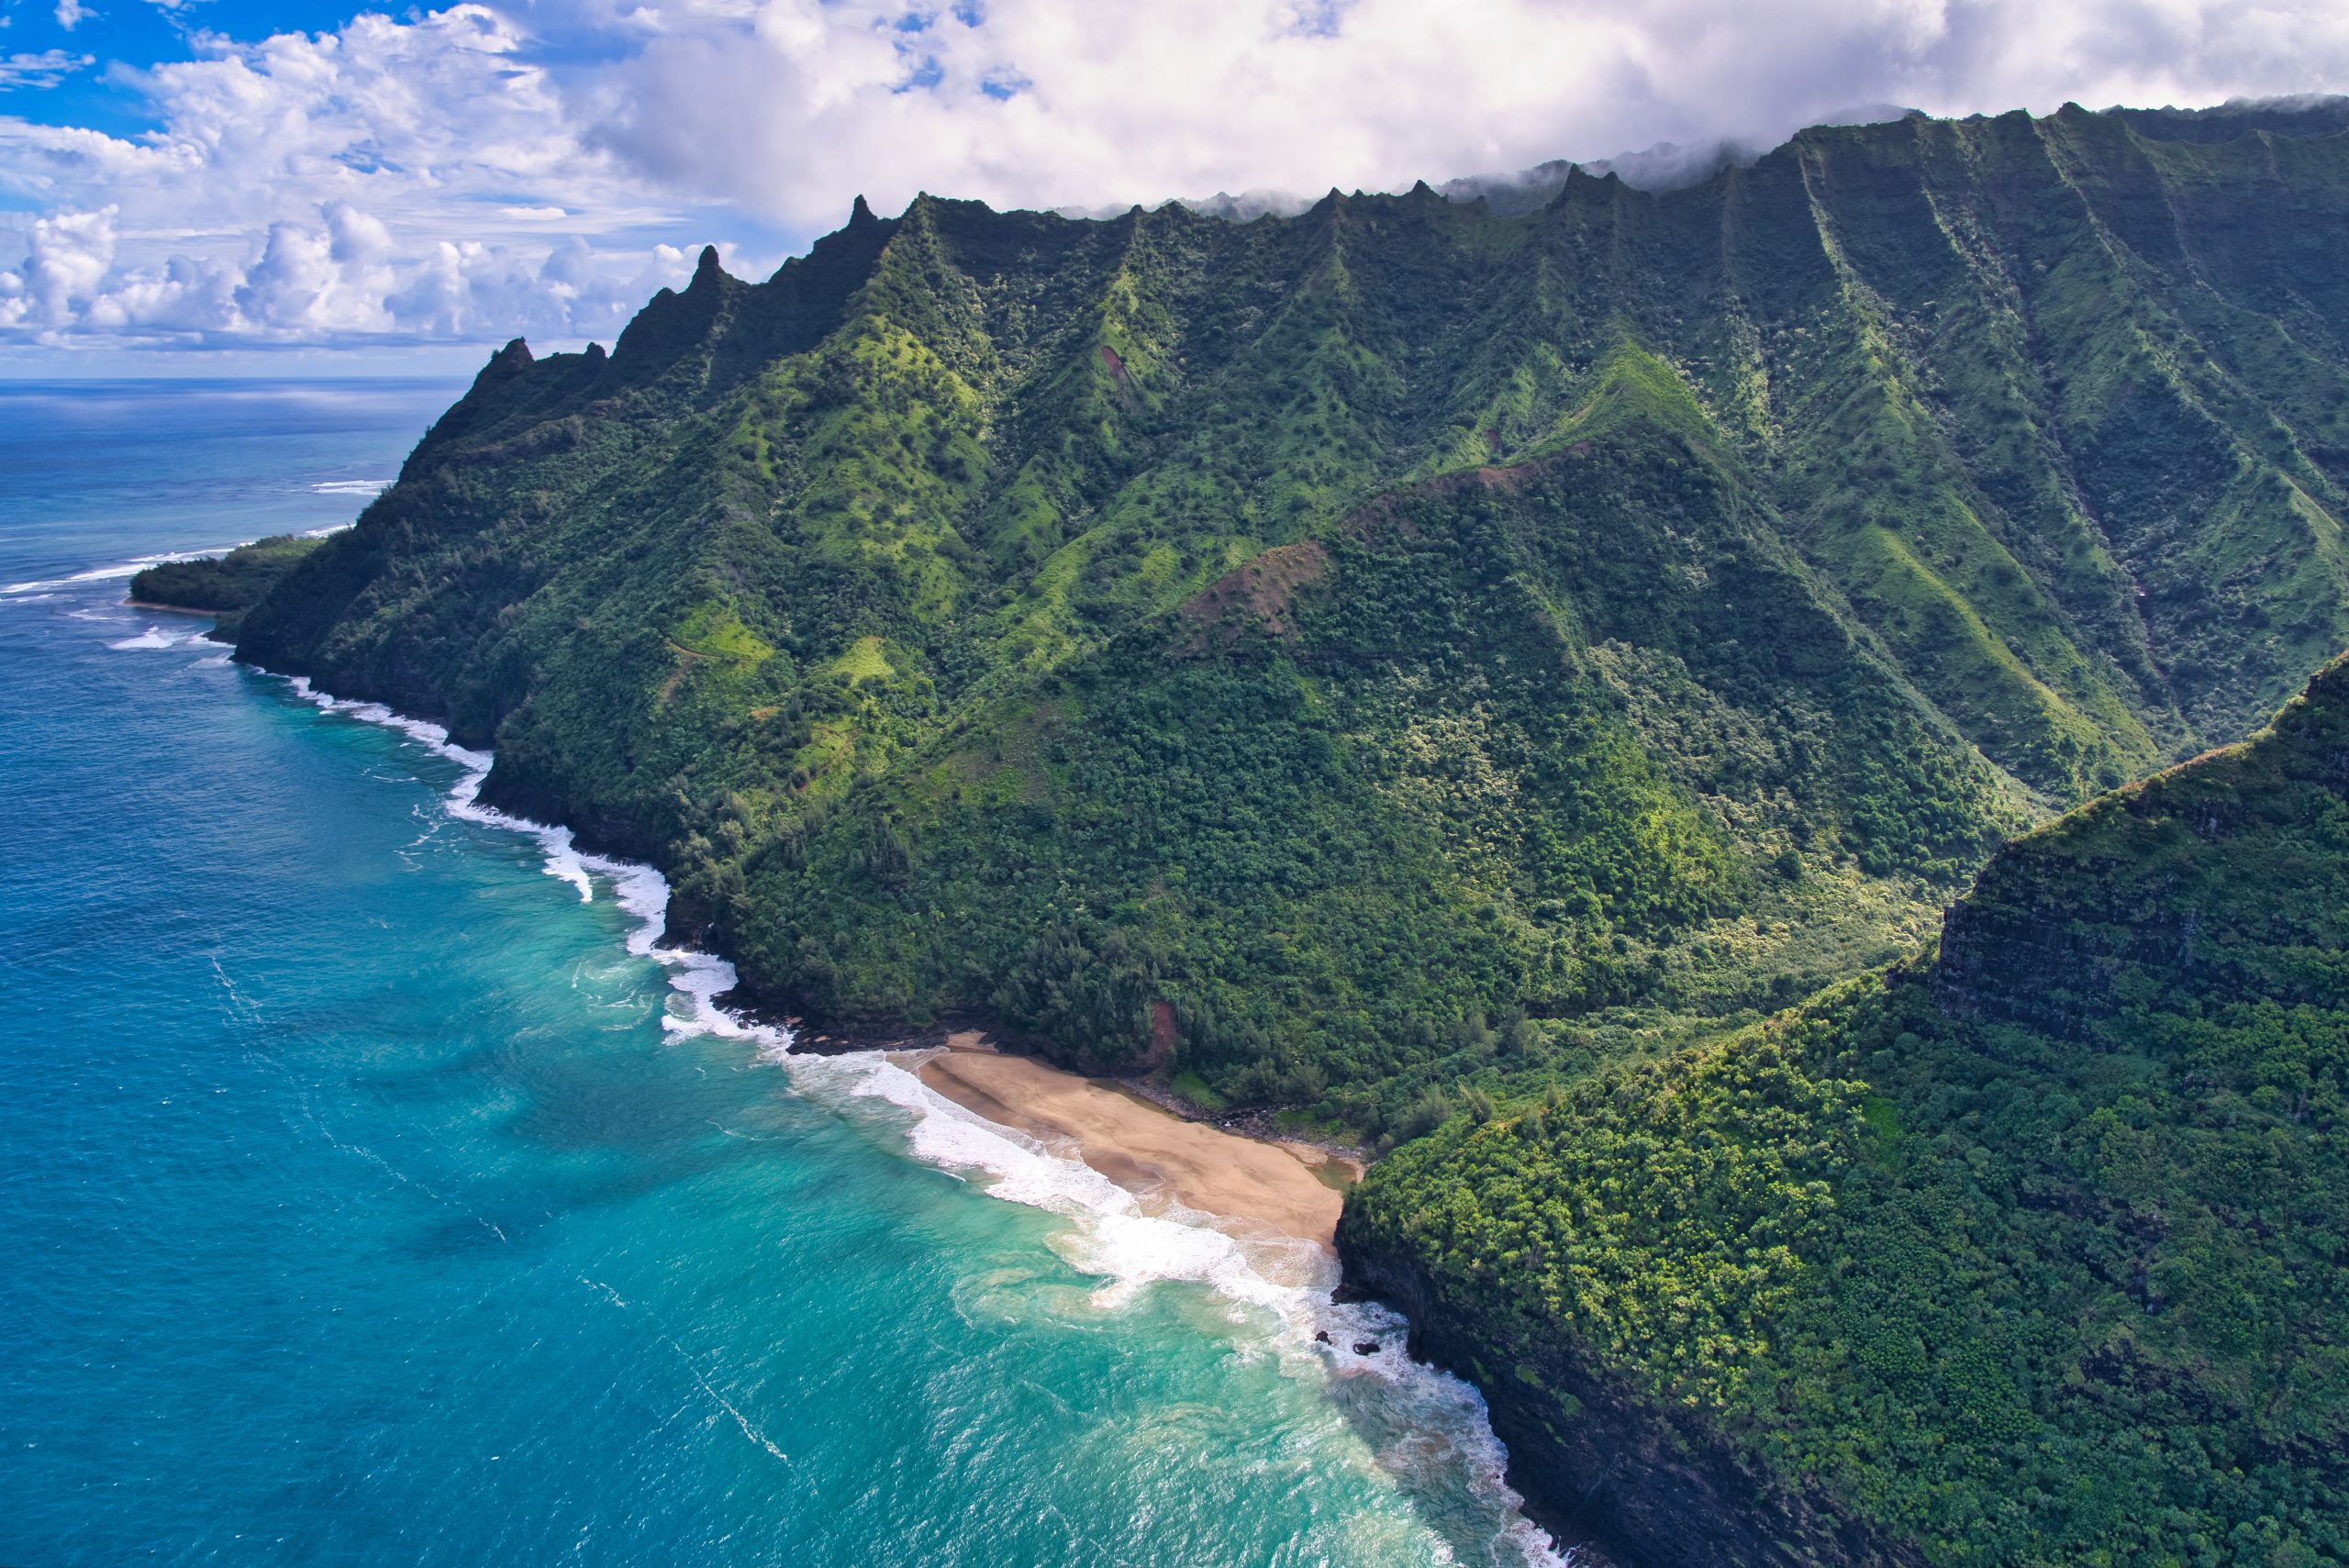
(1439, 1421)
(50, 584)
(698, 978)
(119, 569)
(156, 637)
(350, 487)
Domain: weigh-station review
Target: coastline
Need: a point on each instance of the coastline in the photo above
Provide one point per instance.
(1142, 1138)
(1274, 1187)
(173, 609)
(1425, 1431)
(1162, 1160)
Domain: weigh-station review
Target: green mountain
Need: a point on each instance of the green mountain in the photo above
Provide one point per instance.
(2031, 1252)
(1333, 657)
(1423, 657)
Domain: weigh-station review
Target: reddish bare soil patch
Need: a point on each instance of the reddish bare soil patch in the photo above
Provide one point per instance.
(1257, 595)
(1382, 515)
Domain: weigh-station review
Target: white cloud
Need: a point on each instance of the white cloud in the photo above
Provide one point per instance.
(789, 106)
(63, 268)
(343, 187)
(448, 176)
(70, 13)
(45, 69)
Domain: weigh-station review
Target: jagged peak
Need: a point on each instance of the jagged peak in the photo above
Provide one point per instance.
(707, 266)
(510, 361)
(860, 213)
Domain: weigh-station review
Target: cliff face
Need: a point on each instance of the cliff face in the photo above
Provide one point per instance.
(1417, 656)
(2024, 1253)
(1603, 1468)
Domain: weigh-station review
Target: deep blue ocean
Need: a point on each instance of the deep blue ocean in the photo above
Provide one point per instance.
(369, 1197)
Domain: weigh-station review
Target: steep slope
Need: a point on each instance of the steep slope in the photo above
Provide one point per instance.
(2028, 1253)
(1331, 656)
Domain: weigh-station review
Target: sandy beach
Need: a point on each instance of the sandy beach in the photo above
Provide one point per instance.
(1288, 1189)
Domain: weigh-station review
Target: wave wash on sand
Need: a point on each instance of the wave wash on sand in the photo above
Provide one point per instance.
(1427, 1430)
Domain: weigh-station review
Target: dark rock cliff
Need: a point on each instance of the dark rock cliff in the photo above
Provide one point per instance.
(1600, 1464)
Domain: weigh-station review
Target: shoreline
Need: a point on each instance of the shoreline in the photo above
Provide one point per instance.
(964, 1031)
(1282, 1188)
(1139, 1136)
(722, 1006)
(176, 610)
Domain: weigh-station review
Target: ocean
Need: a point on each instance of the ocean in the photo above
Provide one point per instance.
(377, 1190)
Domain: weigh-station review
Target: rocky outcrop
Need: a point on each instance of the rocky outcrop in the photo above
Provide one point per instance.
(1600, 1463)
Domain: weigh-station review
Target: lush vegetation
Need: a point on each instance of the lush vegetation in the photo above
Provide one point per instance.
(224, 585)
(1450, 669)
(2030, 1253)
(1334, 658)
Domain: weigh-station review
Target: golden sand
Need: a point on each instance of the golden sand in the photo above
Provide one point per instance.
(1288, 1189)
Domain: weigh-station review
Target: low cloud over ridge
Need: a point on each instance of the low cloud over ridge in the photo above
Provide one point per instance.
(473, 173)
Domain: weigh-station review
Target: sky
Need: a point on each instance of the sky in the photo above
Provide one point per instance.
(215, 186)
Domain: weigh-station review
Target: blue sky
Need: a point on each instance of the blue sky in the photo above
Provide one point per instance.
(210, 184)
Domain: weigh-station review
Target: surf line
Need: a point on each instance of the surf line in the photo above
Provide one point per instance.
(1113, 1237)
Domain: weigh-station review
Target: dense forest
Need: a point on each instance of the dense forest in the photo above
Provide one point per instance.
(221, 585)
(2032, 1251)
(1516, 678)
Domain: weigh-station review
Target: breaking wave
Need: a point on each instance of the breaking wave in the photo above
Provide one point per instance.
(1430, 1430)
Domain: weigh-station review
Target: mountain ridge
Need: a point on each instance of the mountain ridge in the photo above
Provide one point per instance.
(2019, 1252)
(1520, 690)
(957, 453)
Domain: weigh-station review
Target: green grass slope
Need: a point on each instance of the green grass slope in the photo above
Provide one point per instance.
(2030, 1254)
(1333, 657)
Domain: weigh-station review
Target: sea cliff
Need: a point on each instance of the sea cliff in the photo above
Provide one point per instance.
(1510, 686)
(1908, 1274)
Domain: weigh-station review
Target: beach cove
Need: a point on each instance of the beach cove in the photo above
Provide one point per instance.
(385, 1196)
(1284, 1189)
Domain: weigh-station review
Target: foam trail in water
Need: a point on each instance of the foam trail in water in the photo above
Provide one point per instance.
(120, 569)
(1113, 1236)
(350, 487)
(156, 637)
(1444, 1419)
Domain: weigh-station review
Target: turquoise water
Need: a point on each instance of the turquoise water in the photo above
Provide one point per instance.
(368, 1199)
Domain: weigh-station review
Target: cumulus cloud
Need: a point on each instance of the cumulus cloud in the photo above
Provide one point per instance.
(786, 105)
(63, 269)
(45, 69)
(334, 188)
(450, 175)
